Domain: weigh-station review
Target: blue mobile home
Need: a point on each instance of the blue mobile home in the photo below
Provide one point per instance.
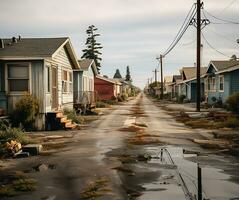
(222, 80)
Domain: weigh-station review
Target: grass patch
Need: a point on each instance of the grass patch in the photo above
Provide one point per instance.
(12, 184)
(95, 189)
(72, 115)
(127, 159)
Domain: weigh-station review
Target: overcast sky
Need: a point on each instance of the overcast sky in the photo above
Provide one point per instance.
(132, 32)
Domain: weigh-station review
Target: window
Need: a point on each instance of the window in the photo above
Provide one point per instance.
(213, 83)
(206, 85)
(70, 83)
(221, 83)
(18, 77)
(48, 79)
(64, 81)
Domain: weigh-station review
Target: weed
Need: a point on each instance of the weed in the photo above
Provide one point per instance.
(95, 189)
(72, 115)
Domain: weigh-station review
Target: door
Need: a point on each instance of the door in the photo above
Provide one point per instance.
(54, 95)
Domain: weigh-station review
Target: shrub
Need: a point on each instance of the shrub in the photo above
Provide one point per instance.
(72, 115)
(124, 97)
(4, 125)
(100, 104)
(181, 98)
(231, 122)
(119, 98)
(233, 102)
(25, 112)
(14, 134)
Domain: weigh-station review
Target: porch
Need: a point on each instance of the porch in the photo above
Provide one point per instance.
(84, 98)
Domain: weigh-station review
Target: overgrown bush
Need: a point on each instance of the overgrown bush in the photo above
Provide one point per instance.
(25, 112)
(119, 98)
(181, 98)
(14, 134)
(231, 122)
(124, 96)
(4, 125)
(233, 102)
(72, 115)
(100, 104)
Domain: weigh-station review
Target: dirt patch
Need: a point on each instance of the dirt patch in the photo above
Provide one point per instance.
(131, 128)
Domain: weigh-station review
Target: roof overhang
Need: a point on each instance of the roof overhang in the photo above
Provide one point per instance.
(228, 70)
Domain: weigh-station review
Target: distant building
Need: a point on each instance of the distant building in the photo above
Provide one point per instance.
(84, 93)
(106, 88)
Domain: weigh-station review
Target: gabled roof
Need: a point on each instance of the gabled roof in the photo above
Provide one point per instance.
(223, 64)
(108, 79)
(36, 48)
(168, 79)
(85, 64)
(191, 72)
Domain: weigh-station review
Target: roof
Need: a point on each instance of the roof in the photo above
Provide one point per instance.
(86, 63)
(221, 65)
(36, 48)
(108, 79)
(31, 47)
(168, 79)
(190, 72)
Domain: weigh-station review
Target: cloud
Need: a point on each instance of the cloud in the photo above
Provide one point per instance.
(133, 32)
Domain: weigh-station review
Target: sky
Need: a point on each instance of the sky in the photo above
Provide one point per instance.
(133, 32)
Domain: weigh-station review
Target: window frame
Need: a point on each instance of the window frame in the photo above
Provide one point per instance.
(223, 83)
(7, 89)
(48, 79)
(70, 82)
(64, 82)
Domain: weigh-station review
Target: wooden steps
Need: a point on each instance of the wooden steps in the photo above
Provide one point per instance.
(58, 121)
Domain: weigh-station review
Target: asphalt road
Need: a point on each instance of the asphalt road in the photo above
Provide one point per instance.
(100, 160)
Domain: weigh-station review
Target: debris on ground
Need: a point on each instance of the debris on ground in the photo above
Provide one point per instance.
(145, 157)
(13, 147)
(44, 167)
(32, 149)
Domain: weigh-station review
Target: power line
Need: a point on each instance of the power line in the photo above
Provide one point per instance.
(229, 5)
(207, 42)
(224, 20)
(182, 30)
(220, 35)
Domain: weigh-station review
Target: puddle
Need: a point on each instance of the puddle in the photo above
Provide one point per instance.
(216, 183)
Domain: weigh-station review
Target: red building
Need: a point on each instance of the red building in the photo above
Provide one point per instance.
(105, 88)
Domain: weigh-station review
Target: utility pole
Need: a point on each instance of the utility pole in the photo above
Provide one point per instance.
(199, 182)
(161, 69)
(155, 76)
(198, 54)
(160, 59)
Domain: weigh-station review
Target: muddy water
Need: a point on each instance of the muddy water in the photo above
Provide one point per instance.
(215, 182)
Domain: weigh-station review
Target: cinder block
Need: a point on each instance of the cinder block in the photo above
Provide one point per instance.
(32, 149)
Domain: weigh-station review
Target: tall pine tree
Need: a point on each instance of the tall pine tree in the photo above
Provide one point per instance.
(128, 76)
(92, 47)
(117, 74)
